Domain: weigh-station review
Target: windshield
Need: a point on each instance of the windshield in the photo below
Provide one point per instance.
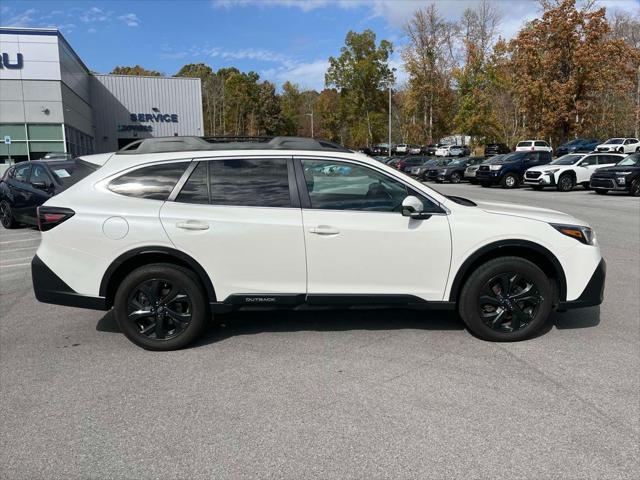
(513, 157)
(458, 163)
(567, 160)
(614, 141)
(493, 160)
(630, 161)
(575, 141)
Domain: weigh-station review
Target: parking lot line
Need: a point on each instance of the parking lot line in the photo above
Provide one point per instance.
(16, 265)
(20, 241)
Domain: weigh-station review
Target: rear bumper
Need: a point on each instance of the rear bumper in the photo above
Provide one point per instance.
(593, 293)
(49, 288)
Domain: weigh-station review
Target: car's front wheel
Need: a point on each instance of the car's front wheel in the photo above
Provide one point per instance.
(635, 188)
(506, 299)
(510, 180)
(565, 183)
(161, 307)
(456, 177)
(6, 215)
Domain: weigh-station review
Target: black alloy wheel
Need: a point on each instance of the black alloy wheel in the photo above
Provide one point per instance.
(161, 306)
(456, 177)
(565, 183)
(159, 309)
(6, 215)
(506, 299)
(509, 302)
(635, 188)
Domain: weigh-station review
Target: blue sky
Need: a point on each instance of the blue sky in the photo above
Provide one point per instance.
(279, 39)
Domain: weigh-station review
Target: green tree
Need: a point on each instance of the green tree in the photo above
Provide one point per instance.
(360, 73)
(135, 70)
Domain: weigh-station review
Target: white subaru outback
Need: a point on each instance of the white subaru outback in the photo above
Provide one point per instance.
(171, 231)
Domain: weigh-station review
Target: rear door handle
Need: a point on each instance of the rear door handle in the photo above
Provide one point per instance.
(324, 230)
(192, 225)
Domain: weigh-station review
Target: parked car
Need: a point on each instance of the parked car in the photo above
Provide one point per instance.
(430, 173)
(451, 151)
(471, 170)
(402, 149)
(620, 145)
(496, 149)
(419, 170)
(576, 145)
(587, 147)
(381, 150)
(176, 230)
(624, 176)
(431, 148)
(567, 171)
(27, 185)
(415, 150)
(509, 171)
(533, 146)
(57, 156)
(407, 163)
(454, 171)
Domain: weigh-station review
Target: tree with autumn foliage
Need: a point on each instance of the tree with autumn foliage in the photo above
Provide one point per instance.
(136, 70)
(564, 63)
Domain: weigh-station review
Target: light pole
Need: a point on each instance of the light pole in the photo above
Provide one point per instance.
(311, 115)
(390, 84)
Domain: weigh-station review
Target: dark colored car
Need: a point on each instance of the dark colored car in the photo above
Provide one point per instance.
(510, 170)
(381, 150)
(27, 185)
(418, 170)
(496, 149)
(405, 164)
(454, 171)
(431, 148)
(625, 176)
(430, 174)
(587, 146)
(577, 145)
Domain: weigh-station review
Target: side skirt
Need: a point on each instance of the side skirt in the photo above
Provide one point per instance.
(339, 301)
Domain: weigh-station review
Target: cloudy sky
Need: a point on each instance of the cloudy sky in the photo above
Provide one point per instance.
(279, 39)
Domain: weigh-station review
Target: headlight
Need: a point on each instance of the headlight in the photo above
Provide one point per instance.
(495, 167)
(584, 235)
(443, 171)
(551, 170)
(623, 173)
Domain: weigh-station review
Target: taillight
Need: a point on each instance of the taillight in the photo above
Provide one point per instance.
(49, 217)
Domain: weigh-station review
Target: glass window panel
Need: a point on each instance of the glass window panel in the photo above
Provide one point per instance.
(16, 148)
(16, 132)
(45, 132)
(195, 190)
(154, 182)
(250, 183)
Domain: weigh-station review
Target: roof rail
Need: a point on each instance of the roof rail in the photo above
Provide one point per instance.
(177, 144)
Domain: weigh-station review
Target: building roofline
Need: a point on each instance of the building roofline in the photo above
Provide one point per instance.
(143, 76)
(44, 31)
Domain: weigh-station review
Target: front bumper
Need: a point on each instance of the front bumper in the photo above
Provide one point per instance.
(49, 288)
(544, 180)
(593, 294)
(608, 183)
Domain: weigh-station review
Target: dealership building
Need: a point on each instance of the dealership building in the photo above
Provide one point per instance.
(51, 102)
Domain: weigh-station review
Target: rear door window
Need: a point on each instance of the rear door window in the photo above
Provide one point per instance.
(591, 160)
(154, 182)
(39, 175)
(541, 144)
(21, 173)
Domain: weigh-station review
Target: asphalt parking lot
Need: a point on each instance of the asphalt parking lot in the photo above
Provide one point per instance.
(348, 394)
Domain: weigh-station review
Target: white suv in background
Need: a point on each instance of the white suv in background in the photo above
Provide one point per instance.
(619, 145)
(450, 151)
(533, 146)
(170, 231)
(570, 170)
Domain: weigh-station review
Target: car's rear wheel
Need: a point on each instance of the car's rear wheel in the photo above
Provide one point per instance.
(601, 191)
(635, 188)
(6, 215)
(565, 183)
(456, 177)
(510, 180)
(161, 307)
(506, 299)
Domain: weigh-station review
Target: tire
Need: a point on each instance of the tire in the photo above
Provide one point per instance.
(456, 177)
(6, 215)
(518, 315)
(621, 150)
(510, 180)
(537, 188)
(473, 181)
(485, 184)
(586, 186)
(634, 191)
(177, 323)
(601, 191)
(566, 183)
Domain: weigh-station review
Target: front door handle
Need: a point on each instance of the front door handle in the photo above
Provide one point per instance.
(324, 230)
(192, 225)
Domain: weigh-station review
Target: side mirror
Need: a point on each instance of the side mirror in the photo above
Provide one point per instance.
(41, 185)
(412, 207)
